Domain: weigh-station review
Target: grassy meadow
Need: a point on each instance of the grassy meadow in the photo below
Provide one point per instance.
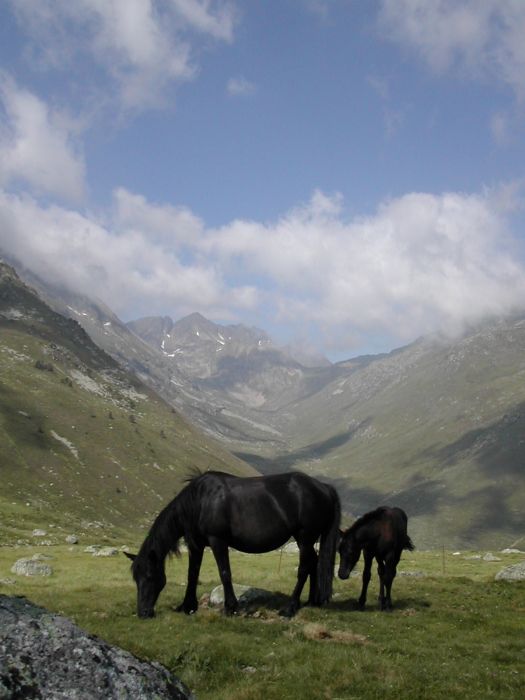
(454, 631)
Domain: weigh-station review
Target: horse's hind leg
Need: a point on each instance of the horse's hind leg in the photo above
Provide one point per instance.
(190, 603)
(314, 594)
(388, 577)
(368, 559)
(222, 557)
(381, 573)
(307, 567)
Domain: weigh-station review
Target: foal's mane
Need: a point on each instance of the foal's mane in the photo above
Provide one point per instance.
(367, 518)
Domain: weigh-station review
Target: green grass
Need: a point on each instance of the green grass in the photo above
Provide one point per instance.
(454, 632)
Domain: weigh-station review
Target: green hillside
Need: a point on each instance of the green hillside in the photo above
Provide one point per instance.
(82, 442)
(437, 428)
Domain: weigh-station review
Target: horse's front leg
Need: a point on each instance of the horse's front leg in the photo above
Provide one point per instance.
(190, 603)
(368, 559)
(222, 557)
(307, 565)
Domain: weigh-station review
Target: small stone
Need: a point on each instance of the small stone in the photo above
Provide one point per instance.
(106, 552)
(39, 533)
(514, 572)
(490, 557)
(511, 550)
(72, 539)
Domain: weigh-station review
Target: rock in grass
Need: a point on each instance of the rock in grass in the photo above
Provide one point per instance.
(106, 552)
(43, 655)
(514, 572)
(246, 595)
(31, 567)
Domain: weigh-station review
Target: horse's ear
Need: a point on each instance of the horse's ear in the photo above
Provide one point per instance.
(130, 556)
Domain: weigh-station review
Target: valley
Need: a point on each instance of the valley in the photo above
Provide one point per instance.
(435, 427)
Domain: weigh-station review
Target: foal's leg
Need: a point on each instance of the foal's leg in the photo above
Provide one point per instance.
(222, 557)
(381, 573)
(190, 603)
(307, 565)
(390, 573)
(368, 559)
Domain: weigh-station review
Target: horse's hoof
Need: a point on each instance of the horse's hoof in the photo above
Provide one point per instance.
(187, 610)
(229, 612)
(289, 611)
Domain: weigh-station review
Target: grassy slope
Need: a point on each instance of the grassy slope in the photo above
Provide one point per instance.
(85, 441)
(437, 430)
(453, 633)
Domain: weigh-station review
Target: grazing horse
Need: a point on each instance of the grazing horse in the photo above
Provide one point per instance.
(254, 514)
(382, 534)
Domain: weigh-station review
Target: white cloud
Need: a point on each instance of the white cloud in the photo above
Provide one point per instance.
(37, 144)
(122, 262)
(421, 263)
(143, 47)
(482, 39)
(240, 86)
(167, 225)
(214, 18)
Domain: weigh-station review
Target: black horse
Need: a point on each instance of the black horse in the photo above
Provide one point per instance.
(255, 514)
(382, 534)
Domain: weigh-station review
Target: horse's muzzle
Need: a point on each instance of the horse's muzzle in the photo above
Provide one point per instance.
(146, 614)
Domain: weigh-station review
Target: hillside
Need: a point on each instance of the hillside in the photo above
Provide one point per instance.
(435, 426)
(81, 439)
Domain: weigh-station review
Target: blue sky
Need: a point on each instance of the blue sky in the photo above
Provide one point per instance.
(345, 174)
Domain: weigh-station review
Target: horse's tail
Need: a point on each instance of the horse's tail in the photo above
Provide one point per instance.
(327, 551)
(408, 544)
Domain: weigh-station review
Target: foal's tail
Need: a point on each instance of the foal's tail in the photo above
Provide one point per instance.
(327, 551)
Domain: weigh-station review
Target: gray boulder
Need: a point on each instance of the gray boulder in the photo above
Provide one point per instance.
(45, 656)
(514, 572)
(247, 596)
(31, 566)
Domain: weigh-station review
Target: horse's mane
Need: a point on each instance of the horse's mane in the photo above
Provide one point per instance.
(177, 519)
(367, 518)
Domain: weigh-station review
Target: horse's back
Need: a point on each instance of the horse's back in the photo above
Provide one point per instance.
(256, 514)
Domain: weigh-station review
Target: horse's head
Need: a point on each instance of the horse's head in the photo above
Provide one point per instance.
(349, 552)
(148, 572)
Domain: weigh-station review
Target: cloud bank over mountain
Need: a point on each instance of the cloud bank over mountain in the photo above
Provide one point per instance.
(420, 263)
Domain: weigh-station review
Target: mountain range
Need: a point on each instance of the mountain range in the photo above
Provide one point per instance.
(436, 427)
